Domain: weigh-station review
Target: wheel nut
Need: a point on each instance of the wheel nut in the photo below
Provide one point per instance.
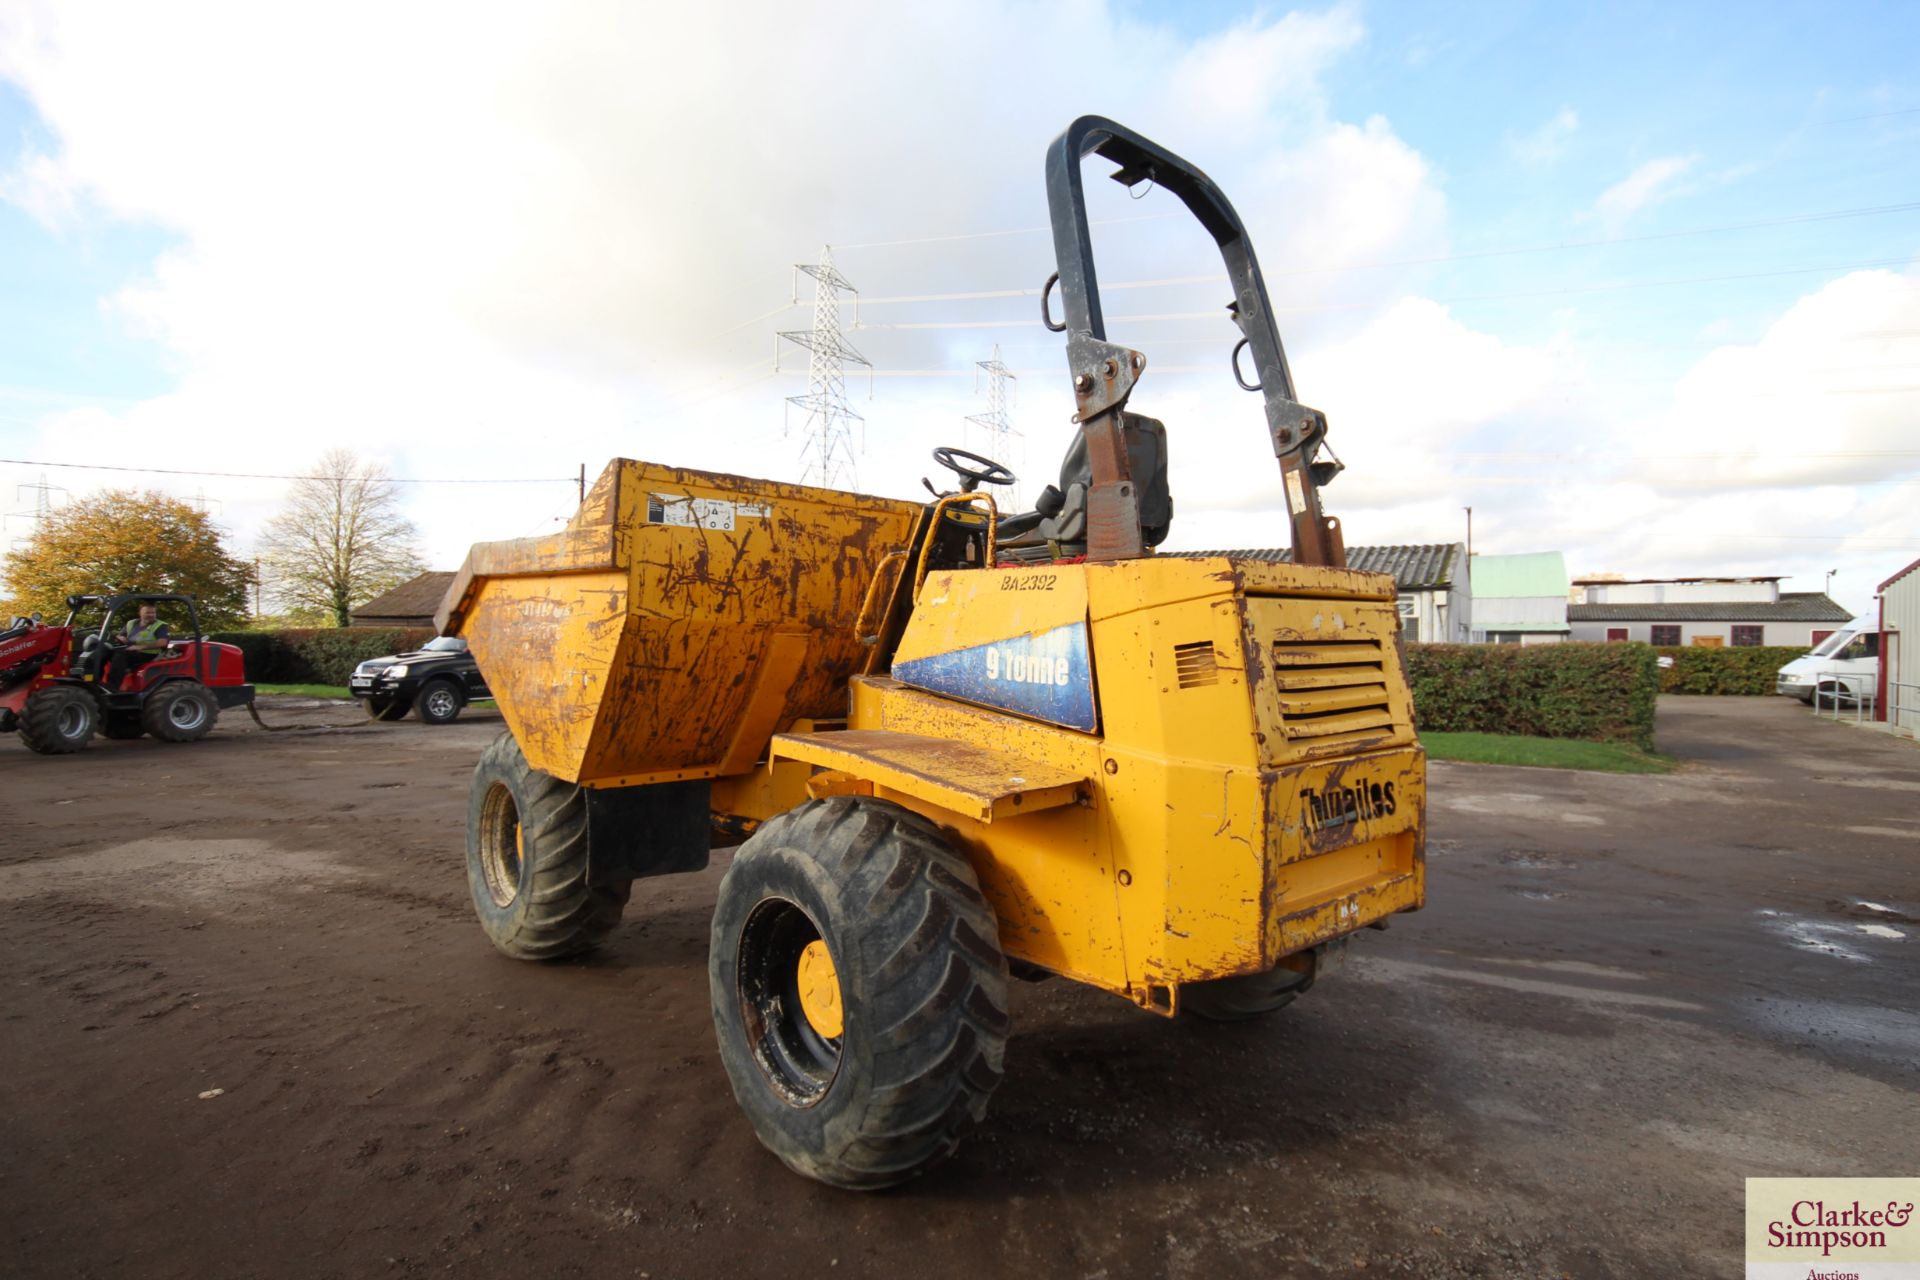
(1083, 384)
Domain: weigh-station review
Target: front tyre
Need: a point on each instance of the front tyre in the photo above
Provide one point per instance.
(859, 991)
(179, 711)
(527, 860)
(58, 720)
(437, 703)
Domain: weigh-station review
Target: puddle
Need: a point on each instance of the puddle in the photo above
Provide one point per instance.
(1882, 831)
(1872, 784)
(1818, 935)
(1879, 931)
(1538, 861)
(1544, 895)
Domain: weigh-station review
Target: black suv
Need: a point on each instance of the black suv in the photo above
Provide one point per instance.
(433, 683)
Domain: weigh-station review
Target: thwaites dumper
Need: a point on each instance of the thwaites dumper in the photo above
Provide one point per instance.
(960, 746)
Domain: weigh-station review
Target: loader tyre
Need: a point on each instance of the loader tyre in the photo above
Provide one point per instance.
(527, 860)
(1248, 996)
(179, 711)
(859, 991)
(58, 720)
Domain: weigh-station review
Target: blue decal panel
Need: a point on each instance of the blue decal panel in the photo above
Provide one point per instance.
(1047, 676)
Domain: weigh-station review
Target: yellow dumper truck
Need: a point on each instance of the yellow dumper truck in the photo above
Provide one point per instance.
(960, 746)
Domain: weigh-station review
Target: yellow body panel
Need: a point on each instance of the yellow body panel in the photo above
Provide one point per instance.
(1164, 770)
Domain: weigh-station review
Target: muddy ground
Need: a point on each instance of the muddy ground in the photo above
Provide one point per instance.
(1626, 995)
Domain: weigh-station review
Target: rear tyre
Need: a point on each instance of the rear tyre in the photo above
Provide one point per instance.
(1251, 995)
(179, 711)
(122, 725)
(527, 860)
(859, 991)
(58, 720)
(438, 702)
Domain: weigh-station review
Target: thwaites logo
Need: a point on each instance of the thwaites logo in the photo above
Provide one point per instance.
(1329, 807)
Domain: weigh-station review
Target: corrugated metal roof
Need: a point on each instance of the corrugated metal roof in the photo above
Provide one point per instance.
(1793, 606)
(1420, 567)
(416, 598)
(1538, 573)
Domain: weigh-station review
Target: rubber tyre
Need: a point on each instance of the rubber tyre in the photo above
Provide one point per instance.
(376, 707)
(531, 892)
(923, 991)
(396, 709)
(438, 702)
(179, 711)
(122, 725)
(1249, 996)
(58, 720)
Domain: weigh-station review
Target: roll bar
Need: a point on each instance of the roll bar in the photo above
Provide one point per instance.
(1104, 374)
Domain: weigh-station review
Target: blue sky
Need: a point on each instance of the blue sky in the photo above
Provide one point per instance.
(269, 220)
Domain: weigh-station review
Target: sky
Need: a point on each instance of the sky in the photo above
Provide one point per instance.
(1638, 283)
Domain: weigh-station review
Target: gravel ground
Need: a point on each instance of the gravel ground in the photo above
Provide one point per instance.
(250, 1029)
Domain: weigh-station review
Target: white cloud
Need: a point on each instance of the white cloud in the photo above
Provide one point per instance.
(1548, 142)
(1645, 187)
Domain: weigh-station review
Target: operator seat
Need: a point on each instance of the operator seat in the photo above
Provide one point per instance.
(1057, 526)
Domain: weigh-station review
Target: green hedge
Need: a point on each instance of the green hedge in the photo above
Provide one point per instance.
(1747, 671)
(1601, 692)
(318, 655)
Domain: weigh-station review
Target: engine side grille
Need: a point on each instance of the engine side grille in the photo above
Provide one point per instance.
(1331, 692)
(1194, 664)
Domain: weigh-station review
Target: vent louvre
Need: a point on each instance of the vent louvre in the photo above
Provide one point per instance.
(1331, 692)
(1194, 665)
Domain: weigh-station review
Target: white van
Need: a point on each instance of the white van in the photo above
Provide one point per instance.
(1844, 667)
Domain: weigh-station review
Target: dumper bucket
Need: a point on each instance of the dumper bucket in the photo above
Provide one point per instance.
(678, 621)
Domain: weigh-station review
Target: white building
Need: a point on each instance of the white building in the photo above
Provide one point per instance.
(1520, 599)
(1701, 611)
(1898, 700)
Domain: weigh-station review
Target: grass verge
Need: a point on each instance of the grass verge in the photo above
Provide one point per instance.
(1544, 753)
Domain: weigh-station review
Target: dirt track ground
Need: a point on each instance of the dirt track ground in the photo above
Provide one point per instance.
(1626, 995)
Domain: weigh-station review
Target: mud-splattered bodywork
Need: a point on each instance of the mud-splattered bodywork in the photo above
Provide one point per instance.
(1165, 770)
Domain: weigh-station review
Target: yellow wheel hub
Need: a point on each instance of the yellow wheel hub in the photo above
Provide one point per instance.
(820, 990)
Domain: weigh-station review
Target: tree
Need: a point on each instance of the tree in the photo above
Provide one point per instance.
(340, 540)
(123, 540)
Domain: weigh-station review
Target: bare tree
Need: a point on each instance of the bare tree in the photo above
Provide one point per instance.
(340, 540)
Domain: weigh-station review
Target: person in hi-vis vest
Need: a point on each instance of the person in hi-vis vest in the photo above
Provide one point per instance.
(143, 640)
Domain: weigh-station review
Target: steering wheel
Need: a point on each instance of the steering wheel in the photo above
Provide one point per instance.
(990, 472)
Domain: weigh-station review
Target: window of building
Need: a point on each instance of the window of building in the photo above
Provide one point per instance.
(1748, 637)
(1503, 637)
(1409, 608)
(1616, 634)
(1666, 634)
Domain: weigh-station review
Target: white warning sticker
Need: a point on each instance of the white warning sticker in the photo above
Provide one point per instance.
(715, 514)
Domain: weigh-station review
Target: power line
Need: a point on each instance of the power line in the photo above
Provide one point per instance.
(267, 475)
(1221, 314)
(1467, 255)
